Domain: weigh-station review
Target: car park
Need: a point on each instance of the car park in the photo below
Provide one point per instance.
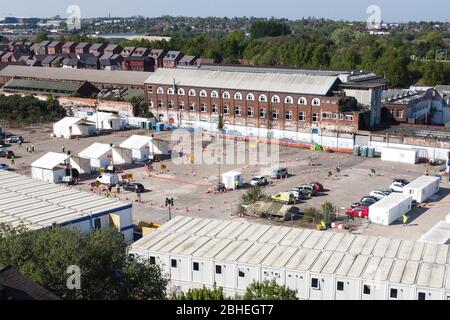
(279, 173)
(14, 139)
(134, 187)
(259, 181)
(8, 154)
(284, 197)
(359, 212)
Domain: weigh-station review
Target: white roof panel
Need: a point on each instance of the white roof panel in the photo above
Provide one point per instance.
(136, 142)
(95, 151)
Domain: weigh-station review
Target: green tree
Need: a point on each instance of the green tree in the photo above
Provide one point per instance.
(311, 215)
(269, 28)
(433, 73)
(201, 294)
(328, 212)
(269, 290)
(41, 36)
(107, 273)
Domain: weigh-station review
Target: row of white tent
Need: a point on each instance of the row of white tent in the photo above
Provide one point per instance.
(52, 166)
(70, 127)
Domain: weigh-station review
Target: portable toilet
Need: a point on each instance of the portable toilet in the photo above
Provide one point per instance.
(357, 150)
(229, 179)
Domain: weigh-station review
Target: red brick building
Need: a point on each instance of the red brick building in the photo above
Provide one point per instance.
(133, 63)
(266, 105)
(55, 47)
(172, 59)
(158, 55)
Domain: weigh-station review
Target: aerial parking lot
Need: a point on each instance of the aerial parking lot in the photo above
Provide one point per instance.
(346, 179)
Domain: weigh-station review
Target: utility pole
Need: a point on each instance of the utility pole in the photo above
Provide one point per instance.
(170, 204)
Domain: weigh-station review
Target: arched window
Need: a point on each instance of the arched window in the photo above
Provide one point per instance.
(181, 92)
(214, 94)
(238, 96)
(203, 94)
(250, 97)
(316, 102)
(302, 101)
(275, 99)
(171, 91)
(262, 98)
(288, 100)
(160, 90)
(226, 95)
(192, 93)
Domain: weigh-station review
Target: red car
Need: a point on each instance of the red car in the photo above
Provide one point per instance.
(359, 212)
(318, 186)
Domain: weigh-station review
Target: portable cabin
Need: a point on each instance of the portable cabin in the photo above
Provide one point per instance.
(322, 283)
(422, 188)
(346, 288)
(229, 179)
(430, 281)
(401, 280)
(272, 267)
(390, 209)
(297, 275)
(249, 262)
(106, 121)
(139, 146)
(409, 156)
(50, 168)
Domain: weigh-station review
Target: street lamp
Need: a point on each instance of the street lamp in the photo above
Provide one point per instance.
(169, 204)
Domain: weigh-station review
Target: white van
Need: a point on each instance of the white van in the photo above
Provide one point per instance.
(108, 179)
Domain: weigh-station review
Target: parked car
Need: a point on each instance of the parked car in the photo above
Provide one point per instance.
(134, 187)
(299, 194)
(284, 197)
(108, 179)
(279, 173)
(8, 154)
(260, 181)
(397, 186)
(403, 181)
(366, 203)
(4, 166)
(308, 189)
(380, 194)
(318, 186)
(15, 139)
(359, 212)
(369, 198)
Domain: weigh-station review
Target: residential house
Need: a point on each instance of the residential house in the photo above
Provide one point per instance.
(58, 62)
(97, 49)
(127, 51)
(141, 52)
(71, 63)
(158, 55)
(172, 59)
(55, 47)
(188, 61)
(82, 47)
(43, 47)
(142, 64)
(92, 63)
(113, 49)
(47, 62)
(69, 47)
(111, 62)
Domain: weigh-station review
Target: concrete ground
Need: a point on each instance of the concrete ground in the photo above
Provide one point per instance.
(189, 185)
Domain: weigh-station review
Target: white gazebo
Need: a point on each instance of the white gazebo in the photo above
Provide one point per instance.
(139, 146)
(70, 127)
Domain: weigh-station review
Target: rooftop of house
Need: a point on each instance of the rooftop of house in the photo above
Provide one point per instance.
(69, 44)
(15, 286)
(402, 96)
(112, 47)
(172, 55)
(157, 53)
(97, 46)
(188, 59)
(54, 44)
(82, 45)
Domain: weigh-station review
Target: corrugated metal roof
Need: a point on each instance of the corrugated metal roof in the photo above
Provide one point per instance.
(247, 81)
(125, 78)
(38, 204)
(357, 256)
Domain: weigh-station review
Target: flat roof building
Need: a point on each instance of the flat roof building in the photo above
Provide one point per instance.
(36, 205)
(198, 252)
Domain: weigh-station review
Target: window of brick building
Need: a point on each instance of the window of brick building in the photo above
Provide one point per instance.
(226, 95)
(214, 95)
(215, 108)
(325, 115)
(203, 108)
(335, 116)
(181, 105)
(160, 90)
(192, 107)
(276, 99)
(226, 110)
(302, 116)
(238, 111)
(289, 100)
(171, 104)
(275, 114)
(349, 117)
(262, 113)
(192, 93)
(288, 115)
(181, 92)
(250, 97)
(315, 117)
(302, 101)
(250, 112)
(203, 94)
(316, 102)
(263, 98)
(171, 91)
(160, 104)
(238, 96)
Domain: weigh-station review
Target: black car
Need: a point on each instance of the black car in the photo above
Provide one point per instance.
(402, 181)
(134, 187)
(8, 154)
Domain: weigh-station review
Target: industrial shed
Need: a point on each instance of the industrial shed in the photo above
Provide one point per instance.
(37, 205)
(139, 146)
(72, 127)
(198, 252)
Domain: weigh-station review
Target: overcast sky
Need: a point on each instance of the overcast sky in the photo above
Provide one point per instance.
(391, 10)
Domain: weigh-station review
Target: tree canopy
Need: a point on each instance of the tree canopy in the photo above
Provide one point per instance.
(269, 290)
(107, 273)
